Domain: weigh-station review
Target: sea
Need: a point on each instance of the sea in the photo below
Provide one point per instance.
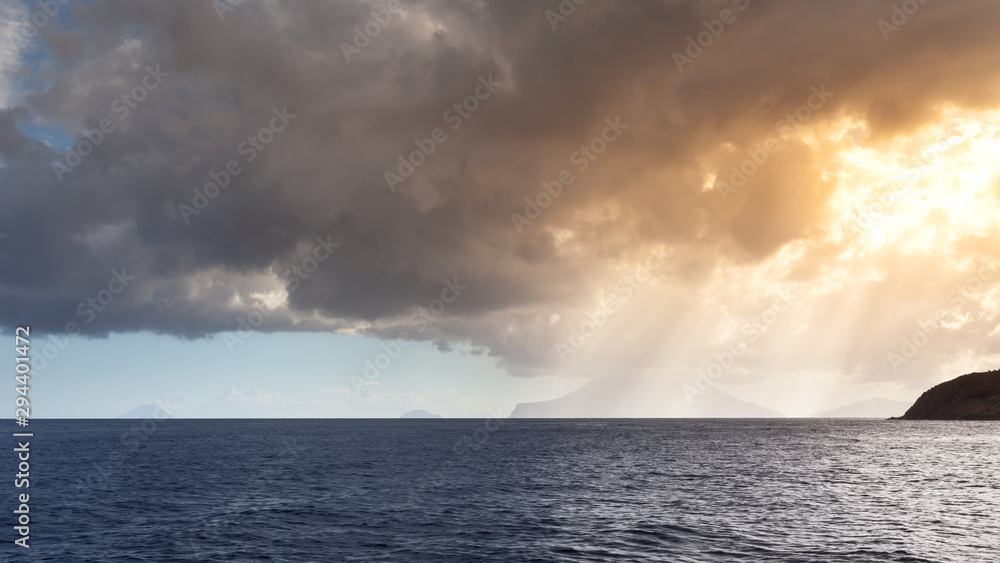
(510, 490)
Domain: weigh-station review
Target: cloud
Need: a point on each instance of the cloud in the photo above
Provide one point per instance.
(324, 175)
(13, 40)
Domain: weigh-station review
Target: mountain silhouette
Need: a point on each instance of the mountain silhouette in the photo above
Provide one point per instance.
(639, 397)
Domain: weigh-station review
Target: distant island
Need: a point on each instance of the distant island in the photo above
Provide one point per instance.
(420, 413)
(975, 396)
(877, 407)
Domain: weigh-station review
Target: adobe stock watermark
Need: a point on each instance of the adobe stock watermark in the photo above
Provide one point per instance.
(566, 9)
(478, 440)
(582, 158)
(91, 306)
(722, 363)
(758, 156)
(611, 303)
(293, 279)
(364, 34)
(878, 208)
(481, 436)
(223, 7)
(222, 526)
(703, 40)
(911, 346)
(46, 12)
(393, 349)
(88, 309)
(121, 109)
(52, 346)
(249, 149)
(130, 442)
(456, 115)
(899, 16)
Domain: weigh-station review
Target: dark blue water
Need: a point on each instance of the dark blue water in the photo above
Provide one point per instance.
(512, 490)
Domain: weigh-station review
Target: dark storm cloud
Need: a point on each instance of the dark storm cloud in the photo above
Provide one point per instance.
(324, 174)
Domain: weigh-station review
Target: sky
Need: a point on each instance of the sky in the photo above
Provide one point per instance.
(240, 207)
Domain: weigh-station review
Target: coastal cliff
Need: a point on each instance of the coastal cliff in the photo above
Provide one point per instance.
(975, 396)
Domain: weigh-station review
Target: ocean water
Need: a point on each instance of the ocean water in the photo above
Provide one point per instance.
(512, 490)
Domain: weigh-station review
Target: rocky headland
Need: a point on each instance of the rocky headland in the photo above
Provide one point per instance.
(975, 396)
